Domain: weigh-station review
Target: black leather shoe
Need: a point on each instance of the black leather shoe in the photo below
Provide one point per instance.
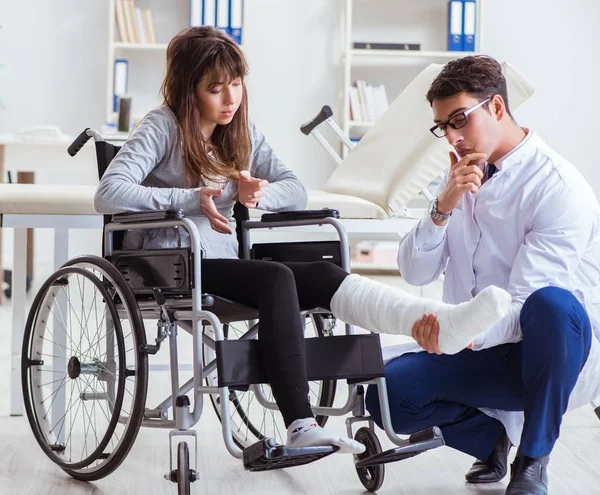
(496, 465)
(528, 476)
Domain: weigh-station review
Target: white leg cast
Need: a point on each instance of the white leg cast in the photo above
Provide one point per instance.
(383, 309)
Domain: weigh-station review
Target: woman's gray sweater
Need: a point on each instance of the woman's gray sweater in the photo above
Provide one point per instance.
(148, 174)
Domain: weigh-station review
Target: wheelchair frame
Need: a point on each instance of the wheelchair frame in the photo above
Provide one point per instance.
(171, 313)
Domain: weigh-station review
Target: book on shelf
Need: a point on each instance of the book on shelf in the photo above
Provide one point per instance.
(139, 22)
(134, 24)
(368, 102)
(121, 22)
(367, 45)
(149, 28)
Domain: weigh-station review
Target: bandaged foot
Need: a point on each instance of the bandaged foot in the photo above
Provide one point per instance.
(307, 433)
(383, 309)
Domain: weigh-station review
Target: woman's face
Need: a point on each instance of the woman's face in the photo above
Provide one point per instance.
(219, 101)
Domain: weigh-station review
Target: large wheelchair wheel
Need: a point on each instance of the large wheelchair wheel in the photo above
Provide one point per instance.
(84, 377)
(250, 421)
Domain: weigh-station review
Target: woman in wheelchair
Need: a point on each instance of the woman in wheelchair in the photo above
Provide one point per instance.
(199, 153)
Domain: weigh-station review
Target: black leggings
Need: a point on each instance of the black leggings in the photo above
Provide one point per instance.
(278, 290)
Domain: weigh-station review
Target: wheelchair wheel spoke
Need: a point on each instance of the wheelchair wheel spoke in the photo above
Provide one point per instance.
(53, 394)
(96, 343)
(64, 356)
(50, 383)
(73, 346)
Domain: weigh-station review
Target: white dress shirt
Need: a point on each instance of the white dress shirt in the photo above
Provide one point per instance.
(535, 223)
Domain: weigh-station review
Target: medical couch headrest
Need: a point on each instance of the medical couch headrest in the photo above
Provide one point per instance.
(399, 157)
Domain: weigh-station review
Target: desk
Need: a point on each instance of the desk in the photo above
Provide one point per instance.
(49, 162)
(47, 207)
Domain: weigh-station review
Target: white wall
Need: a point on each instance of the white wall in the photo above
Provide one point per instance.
(555, 45)
(54, 56)
(52, 63)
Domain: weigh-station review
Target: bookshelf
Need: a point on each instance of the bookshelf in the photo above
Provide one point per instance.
(138, 46)
(145, 57)
(392, 21)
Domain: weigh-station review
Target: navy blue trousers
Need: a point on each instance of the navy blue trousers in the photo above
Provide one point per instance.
(536, 375)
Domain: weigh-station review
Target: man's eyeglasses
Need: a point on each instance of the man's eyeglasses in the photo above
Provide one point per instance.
(456, 121)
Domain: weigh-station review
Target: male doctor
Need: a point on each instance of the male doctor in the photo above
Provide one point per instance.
(512, 213)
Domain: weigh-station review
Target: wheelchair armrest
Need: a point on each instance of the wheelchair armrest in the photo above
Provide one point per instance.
(147, 216)
(290, 216)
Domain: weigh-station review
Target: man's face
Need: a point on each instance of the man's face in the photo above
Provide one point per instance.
(480, 132)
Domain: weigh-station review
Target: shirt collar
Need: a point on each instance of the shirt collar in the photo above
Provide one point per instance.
(514, 155)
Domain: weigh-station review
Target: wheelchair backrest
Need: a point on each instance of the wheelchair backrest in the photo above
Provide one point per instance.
(105, 152)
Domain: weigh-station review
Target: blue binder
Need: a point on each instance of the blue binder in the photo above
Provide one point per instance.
(120, 80)
(209, 12)
(455, 25)
(196, 12)
(469, 25)
(223, 15)
(236, 19)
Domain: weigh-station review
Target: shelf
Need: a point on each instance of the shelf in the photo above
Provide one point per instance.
(140, 46)
(367, 56)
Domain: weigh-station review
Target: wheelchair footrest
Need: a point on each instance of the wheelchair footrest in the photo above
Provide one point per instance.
(417, 443)
(266, 455)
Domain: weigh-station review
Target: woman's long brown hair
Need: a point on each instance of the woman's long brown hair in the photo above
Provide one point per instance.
(193, 54)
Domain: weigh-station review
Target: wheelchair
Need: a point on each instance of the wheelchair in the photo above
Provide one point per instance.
(85, 355)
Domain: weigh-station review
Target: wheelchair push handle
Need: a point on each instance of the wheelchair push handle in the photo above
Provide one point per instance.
(83, 138)
(79, 142)
(323, 115)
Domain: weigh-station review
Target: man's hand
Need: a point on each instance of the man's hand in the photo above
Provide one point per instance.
(465, 176)
(426, 331)
(250, 189)
(217, 221)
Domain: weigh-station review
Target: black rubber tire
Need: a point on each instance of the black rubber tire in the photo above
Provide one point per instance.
(122, 294)
(27, 369)
(371, 477)
(326, 396)
(183, 469)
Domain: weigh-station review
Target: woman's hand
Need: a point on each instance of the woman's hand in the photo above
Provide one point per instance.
(217, 221)
(250, 189)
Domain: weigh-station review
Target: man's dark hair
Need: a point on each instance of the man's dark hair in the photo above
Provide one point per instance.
(480, 76)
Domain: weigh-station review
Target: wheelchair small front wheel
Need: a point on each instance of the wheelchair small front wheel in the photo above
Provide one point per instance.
(371, 477)
(183, 469)
(84, 379)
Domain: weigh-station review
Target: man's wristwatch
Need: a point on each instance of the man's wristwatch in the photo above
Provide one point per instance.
(435, 214)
